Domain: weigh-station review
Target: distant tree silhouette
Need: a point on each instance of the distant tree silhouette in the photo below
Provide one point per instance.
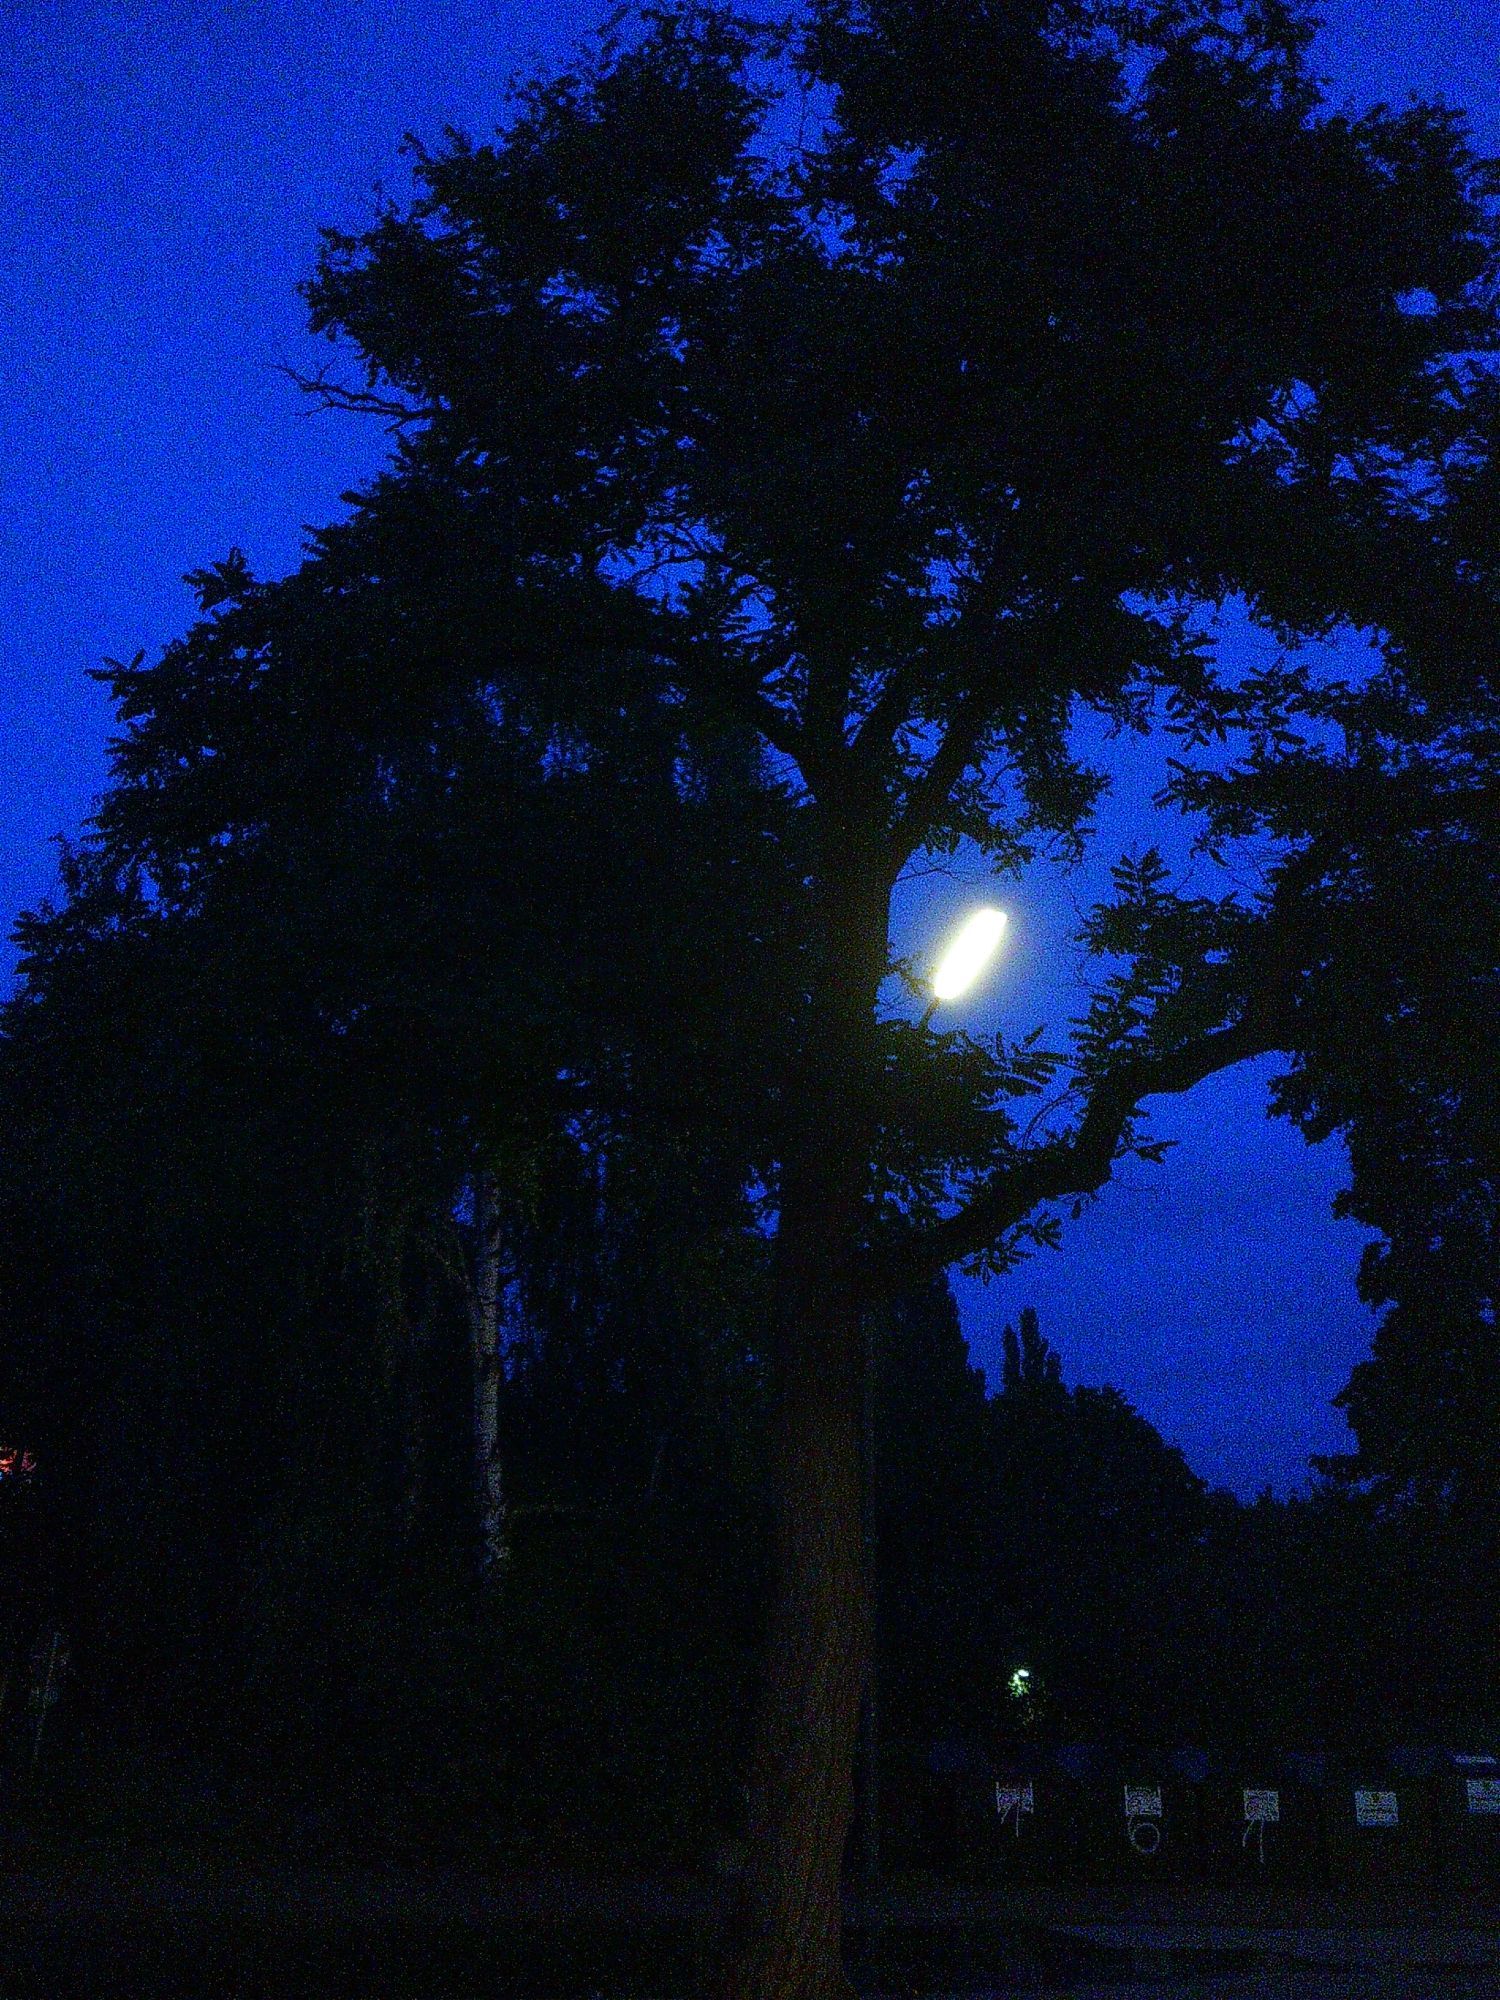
(1029, 1361)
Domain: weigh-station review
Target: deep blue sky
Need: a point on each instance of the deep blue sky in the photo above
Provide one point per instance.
(166, 170)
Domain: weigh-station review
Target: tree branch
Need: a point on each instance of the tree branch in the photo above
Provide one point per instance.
(745, 695)
(360, 402)
(931, 791)
(1079, 1165)
(778, 729)
(890, 711)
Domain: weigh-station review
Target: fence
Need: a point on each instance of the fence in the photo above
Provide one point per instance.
(1423, 1821)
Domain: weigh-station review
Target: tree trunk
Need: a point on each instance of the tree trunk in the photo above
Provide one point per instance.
(786, 1941)
(484, 1332)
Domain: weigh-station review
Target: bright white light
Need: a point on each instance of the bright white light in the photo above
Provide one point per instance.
(968, 954)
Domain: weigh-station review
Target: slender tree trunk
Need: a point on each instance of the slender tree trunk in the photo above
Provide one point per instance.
(484, 1332)
(786, 1944)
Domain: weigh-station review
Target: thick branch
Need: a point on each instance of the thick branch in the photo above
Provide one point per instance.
(819, 753)
(931, 792)
(872, 744)
(967, 648)
(742, 691)
(1079, 1165)
(778, 729)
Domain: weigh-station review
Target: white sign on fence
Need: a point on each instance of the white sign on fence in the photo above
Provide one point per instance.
(1015, 1799)
(1484, 1794)
(1143, 1802)
(1376, 1809)
(1262, 1806)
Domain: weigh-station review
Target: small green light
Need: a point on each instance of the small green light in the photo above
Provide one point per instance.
(1020, 1683)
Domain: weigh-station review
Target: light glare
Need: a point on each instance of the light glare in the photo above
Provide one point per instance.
(968, 954)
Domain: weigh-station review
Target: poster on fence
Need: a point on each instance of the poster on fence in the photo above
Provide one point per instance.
(1484, 1794)
(1143, 1817)
(1376, 1809)
(1262, 1809)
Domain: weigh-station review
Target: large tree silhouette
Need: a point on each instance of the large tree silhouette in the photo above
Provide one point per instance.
(852, 468)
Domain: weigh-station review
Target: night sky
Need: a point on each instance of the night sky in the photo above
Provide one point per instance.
(166, 171)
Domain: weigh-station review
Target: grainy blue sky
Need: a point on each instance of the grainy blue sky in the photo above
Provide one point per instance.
(166, 168)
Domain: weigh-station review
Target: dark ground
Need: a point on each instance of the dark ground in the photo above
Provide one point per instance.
(94, 1924)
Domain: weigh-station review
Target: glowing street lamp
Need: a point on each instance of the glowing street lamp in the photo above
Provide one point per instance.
(968, 952)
